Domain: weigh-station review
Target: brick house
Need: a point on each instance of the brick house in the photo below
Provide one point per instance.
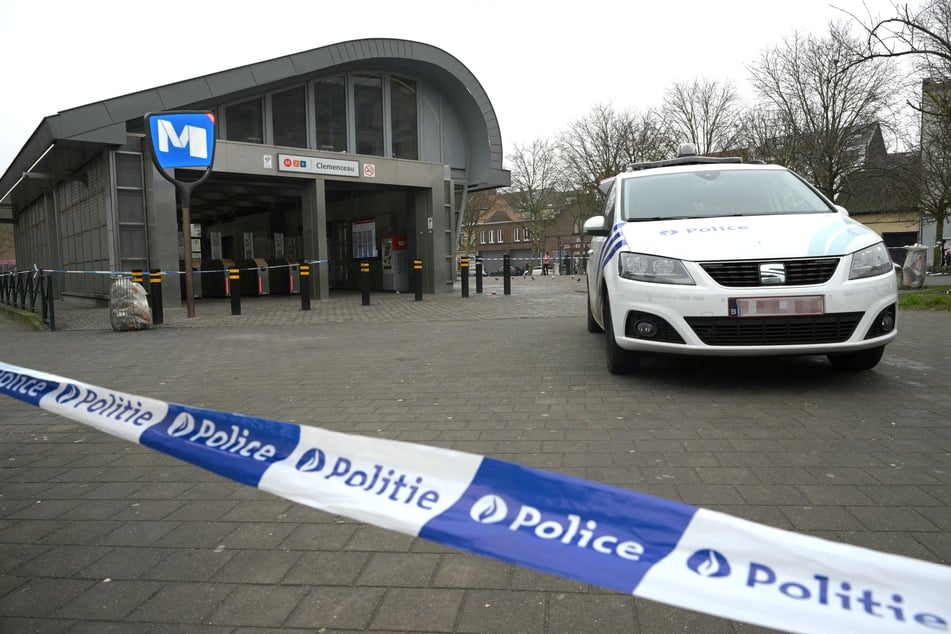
(495, 227)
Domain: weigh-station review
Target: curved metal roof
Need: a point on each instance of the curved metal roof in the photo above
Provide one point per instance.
(79, 133)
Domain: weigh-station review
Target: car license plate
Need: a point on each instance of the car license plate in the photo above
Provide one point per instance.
(777, 306)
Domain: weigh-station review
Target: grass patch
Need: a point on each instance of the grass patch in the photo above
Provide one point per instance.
(925, 298)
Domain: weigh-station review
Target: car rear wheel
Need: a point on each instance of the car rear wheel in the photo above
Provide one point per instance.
(857, 361)
(620, 361)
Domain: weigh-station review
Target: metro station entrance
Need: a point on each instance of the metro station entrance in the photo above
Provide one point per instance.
(260, 225)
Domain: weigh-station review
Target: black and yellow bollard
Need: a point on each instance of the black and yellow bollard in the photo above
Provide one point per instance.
(365, 282)
(464, 273)
(418, 279)
(478, 274)
(137, 277)
(305, 287)
(155, 296)
(506, 275)
(234, 282)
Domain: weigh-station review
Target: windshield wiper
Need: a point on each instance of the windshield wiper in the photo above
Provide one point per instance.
(651, 219)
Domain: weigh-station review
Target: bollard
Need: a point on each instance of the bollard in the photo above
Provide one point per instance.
(506, 275)
(137, 277)
(155, 297)
(478, 274)
(464, 269)
(418, 274)
(365, 282)
(305, 287)
(49, 314)
(234, 276)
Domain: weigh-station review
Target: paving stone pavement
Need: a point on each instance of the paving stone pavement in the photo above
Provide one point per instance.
(99, 535)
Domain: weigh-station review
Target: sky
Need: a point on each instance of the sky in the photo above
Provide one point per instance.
(543, 65)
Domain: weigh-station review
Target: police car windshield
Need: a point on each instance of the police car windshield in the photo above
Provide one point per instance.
(717, 192)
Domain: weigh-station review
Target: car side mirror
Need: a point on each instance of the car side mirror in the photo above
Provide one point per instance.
(596, 225)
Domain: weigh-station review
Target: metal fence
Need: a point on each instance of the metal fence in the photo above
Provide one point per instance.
(25, 289)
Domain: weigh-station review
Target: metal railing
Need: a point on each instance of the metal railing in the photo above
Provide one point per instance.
(24, 289)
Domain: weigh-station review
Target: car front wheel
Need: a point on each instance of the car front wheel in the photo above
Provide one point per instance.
(857, 361)
(592, 323)
(620, 361)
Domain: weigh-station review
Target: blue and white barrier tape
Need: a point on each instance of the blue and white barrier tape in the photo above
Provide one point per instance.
(610, 537)
(144, 273)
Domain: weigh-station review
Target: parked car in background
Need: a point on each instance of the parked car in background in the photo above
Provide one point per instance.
(712, 256)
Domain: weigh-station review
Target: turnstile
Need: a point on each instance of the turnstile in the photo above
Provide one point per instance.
(214, 277)
(255, 279)
(284, 276)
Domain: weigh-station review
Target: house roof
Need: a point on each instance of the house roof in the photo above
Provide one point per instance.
(883, 187)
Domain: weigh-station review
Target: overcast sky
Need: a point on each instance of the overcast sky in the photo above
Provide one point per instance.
(542, 64)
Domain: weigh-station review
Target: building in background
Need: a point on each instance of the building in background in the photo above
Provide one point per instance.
(326, 156)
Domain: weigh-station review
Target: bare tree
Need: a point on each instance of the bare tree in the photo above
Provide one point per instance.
(765, 136)
(705, 113)
(924, 37)
(603, 143)
(823, 101)
(537, 179)
(479, 206)
(935, 202)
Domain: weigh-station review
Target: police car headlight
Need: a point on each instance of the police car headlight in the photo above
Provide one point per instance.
(870, 262)
(651, 268)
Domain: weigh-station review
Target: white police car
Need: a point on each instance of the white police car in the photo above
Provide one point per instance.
(701, 255)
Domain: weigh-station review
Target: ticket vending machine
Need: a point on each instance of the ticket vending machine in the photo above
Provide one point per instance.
(395, 264)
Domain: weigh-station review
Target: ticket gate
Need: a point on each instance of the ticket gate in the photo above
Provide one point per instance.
(284, 276)
(214, 277)
(255, 279)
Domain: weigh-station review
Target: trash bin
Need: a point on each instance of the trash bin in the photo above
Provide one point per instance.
(915, 266)
(128, 305)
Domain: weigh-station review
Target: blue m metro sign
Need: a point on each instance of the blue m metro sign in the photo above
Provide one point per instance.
(182, 139)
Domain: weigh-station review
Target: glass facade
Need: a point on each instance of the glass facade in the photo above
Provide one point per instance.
(403, 116)
(368, 113)
(245, 121)
(330, 104)
(289, 117)
(364, 113)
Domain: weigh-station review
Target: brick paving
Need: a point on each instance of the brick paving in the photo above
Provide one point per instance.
(97, 534)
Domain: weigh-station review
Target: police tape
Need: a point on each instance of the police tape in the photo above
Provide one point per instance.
(36, 270)
(606, 536)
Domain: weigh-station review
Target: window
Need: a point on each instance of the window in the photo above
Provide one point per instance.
(498, 236)
(517, 234)
(245, 121)
(130, 211)
(403, 116)
(368, 112)
(330, 99)
(482, 237)
(289, 117)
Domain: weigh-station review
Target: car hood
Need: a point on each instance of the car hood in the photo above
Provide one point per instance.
(749, 237)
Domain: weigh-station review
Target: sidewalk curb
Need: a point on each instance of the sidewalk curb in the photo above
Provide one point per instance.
(24, 317)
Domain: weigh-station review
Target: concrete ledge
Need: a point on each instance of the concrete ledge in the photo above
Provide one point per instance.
(25, 318)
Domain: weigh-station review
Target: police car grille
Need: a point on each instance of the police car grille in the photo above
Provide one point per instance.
(775, 331)
(746, 273)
